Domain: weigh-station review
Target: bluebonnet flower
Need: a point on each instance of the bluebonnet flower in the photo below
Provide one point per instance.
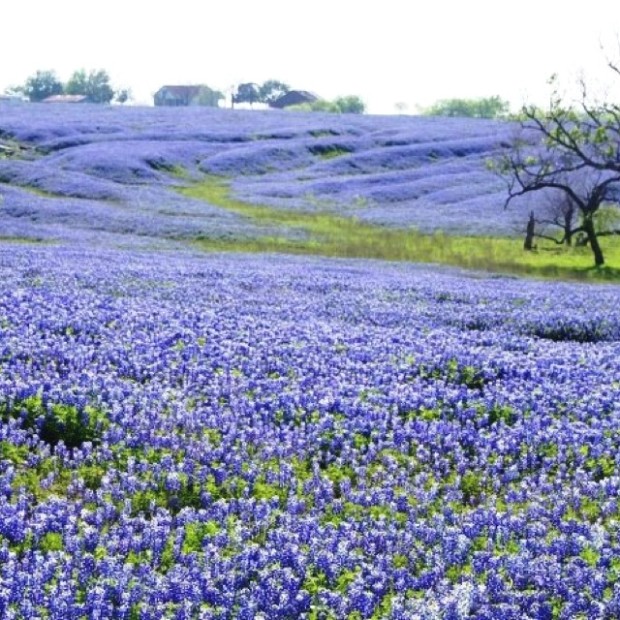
(270, 445)
(118, 178)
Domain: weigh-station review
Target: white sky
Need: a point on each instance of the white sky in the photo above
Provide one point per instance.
(385, 51)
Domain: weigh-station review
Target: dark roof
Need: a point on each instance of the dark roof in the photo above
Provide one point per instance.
(294, 97)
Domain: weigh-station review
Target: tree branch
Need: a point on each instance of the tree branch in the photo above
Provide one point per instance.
(609, 233)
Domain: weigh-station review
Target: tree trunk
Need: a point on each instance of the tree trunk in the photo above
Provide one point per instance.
(568, 227)
(528, 243)
(588, 226)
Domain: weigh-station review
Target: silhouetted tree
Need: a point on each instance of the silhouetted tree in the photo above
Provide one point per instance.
(561, 212)
(246, 93)
(574, 153)
(530, 232)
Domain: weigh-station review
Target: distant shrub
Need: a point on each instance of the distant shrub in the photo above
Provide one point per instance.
(321, 105)
(351, 104)
(484, 107)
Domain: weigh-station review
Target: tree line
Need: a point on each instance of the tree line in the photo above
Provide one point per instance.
(94, 84)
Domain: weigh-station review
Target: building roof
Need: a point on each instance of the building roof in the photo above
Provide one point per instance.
(181, 90)
(12, 99)
(294, 97)
(66, 99)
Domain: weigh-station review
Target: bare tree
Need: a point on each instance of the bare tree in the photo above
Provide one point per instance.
(573, 153)
(558, 212)
(562, 212)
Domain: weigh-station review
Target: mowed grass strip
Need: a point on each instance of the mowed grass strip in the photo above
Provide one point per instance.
(329, 234)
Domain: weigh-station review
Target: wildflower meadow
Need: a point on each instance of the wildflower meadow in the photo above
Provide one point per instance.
(231, 435)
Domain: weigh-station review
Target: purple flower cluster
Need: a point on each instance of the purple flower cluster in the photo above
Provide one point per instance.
(193, 436)
(110, 169)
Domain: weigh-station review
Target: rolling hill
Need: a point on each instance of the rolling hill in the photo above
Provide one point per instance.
(88, 172)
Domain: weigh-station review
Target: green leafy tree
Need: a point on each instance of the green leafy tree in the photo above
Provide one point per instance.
(78, 83)
(485, 107)
(351, 104)
(574, 154)
(247, 93)
(41, 85)
(95, 85)
(209, 97)
(271, 90)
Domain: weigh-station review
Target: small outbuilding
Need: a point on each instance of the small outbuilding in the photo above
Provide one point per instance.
(294, 97)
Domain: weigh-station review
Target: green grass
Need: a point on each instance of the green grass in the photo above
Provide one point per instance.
(329, 234)
(22, 240)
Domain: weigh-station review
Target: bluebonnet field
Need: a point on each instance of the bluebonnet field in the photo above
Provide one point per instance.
(187, 435)
(109, 169)
(248, 437)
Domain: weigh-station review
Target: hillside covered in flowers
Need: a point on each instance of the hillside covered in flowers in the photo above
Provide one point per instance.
(202, 435)
(93, 170)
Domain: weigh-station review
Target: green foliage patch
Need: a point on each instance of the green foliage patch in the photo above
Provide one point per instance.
(55, 422)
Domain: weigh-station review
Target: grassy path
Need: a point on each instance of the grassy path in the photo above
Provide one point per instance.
(328, 234)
